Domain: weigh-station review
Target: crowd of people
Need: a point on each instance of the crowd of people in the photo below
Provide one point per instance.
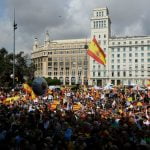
(113, 119)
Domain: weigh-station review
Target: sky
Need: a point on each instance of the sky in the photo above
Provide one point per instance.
(67, 19)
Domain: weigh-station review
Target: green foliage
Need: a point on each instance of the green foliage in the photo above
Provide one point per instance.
(22, 68)
(53, 81)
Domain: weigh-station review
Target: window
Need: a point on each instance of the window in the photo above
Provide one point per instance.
(124, 73)
(93, 74)
(124, 49)
(112, 60)
(61, 63)
(130, 60)
(104, 23)
(94, 24)
(136, 67)
(99, 74)
(118, 55)
(94, 67)
(142, 74)
(136, 54)
(142, 42)
(148, 54)
(118, 49)
(130, 74)
(97, 14)
(136, 60)
(148, 60)
(104, 73)
(49, 52)
(124, 60)
(142, 60)
(99, 36)
(112, 66)
(49, 64)
(124, 54)
(55, 73)
(118, 66)
(118, 43)
(130, 42)
(130, 68)
(124, 42)
(112, 74)
(130, 54)
(49, 59)
(136, 42)
(49, 73)
(112, 55)
(142, 54)
(118, 60)
(130, 49)
(118, 73)
(149, 73)
(142, 48)
(104, 35)
(112, 49)
(142, 66)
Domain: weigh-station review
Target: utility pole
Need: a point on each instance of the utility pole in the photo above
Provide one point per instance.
(14, 28)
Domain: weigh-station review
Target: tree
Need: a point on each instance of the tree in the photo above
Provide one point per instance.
(4, 67)
(53, 81)
(23, 67)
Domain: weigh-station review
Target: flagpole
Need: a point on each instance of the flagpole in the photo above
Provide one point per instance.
(14, 28)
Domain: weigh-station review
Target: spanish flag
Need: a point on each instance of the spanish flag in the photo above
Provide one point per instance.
(77, 106)
(96, 52)
(54, 104)
(27, 88)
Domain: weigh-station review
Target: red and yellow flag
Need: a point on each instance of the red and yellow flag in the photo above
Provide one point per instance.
(96, 52)
(27, 88)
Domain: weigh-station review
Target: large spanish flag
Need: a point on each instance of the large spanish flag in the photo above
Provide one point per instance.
(96, 52)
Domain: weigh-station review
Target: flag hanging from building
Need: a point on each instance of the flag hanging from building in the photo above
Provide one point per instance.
(96, 52)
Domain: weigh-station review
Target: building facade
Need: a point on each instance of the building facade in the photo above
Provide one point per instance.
(127, 58)
(65, 60)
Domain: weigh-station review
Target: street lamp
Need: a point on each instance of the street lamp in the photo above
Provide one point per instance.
(14, 28)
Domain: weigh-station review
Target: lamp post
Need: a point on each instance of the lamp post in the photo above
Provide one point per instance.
(14, 28)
